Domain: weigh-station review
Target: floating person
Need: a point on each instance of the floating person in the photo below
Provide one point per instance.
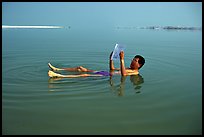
(137, 62)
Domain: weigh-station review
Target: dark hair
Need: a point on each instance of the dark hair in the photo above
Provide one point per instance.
(141, 60)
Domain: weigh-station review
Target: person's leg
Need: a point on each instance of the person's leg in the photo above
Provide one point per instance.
(54, 68)
(79, 69)
(53, 74)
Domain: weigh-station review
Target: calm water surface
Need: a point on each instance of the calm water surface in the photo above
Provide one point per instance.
(164, 99)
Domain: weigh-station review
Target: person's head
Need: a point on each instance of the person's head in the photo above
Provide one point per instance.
(137, 62)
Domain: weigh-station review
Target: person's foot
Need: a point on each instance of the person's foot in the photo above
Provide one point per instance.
(53, 74)
(52, 67)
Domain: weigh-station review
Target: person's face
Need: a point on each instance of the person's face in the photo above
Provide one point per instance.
(135, 64)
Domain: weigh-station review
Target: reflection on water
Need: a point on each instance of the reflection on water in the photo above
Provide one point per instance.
(59, 84)
(136, 80)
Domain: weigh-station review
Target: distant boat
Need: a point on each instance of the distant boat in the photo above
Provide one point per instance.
(31, 27)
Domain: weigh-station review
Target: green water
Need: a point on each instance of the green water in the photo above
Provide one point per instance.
(165, 99)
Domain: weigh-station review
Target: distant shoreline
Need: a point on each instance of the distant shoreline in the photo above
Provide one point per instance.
(163, 28)
(174, 28)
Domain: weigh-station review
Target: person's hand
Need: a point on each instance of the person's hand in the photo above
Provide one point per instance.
(110, 55)
(122, 55)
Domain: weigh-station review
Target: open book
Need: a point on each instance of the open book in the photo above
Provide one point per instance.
(116, 52)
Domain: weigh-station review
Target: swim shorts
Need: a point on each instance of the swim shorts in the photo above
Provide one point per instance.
(104, 73)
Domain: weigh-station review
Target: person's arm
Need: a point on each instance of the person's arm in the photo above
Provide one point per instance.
(122, 64)
(111, 65)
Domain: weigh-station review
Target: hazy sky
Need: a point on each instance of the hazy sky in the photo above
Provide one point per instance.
(96, 14)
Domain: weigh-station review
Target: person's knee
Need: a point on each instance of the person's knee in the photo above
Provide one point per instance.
(83, 69)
